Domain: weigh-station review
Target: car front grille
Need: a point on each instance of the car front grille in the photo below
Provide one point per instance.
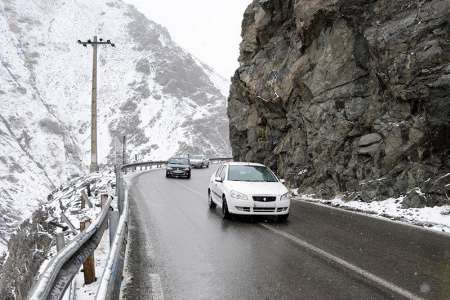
(264, 198)
(263, 209)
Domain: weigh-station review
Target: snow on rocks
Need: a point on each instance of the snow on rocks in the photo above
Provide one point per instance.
(33, 245)
(435, 218)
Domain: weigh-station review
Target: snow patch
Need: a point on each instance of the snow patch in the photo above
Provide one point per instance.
(436, 218)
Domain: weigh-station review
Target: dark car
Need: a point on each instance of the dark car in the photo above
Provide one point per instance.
(178, 167)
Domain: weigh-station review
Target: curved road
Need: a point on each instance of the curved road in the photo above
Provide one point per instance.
(179, 249)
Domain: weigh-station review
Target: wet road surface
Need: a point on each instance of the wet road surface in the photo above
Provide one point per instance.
(181, 249)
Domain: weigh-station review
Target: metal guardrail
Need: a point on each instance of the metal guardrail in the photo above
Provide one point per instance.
(110, 283)
(63, 267)
(146, 164)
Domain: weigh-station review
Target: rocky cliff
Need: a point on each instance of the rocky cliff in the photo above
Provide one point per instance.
(347, 96)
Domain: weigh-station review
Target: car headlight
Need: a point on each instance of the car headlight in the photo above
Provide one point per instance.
(186, 169)
(284, 197)
(169, 168)
(237, 195)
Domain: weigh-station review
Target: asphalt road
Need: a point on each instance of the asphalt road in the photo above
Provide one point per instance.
(180, 249)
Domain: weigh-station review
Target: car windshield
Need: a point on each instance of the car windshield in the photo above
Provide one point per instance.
(197, 157)
(179, 161)
(251, 173)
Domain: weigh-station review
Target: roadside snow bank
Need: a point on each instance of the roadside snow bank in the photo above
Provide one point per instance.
(436, 218)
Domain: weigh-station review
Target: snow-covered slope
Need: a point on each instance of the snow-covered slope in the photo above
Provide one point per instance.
(163, 99)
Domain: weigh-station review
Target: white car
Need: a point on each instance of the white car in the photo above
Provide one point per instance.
(248, 189)
(199, 161)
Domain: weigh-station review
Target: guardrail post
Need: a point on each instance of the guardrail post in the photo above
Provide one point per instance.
(119, 195)
(60, 241)
(104, 201)
(89, 263)
(117, 169)
(113, 222)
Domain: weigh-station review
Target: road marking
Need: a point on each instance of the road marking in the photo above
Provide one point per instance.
(339, 261)
(157, 291)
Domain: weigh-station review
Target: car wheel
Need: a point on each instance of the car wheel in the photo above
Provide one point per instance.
(211, 203)
(189, 176)
(167, 175)
(283, 218)
(225, 213)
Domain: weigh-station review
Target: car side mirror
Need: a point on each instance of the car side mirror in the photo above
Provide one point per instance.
(282, 181)
(218, 179)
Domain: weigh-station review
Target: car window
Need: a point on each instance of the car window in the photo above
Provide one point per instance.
(251, 173)
(178, 161)
(222, 173)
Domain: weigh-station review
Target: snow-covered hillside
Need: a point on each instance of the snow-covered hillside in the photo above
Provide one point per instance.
(163, 99)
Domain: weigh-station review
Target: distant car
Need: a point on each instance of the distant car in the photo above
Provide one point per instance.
(248, 189)
(199, 161)
(178, 167)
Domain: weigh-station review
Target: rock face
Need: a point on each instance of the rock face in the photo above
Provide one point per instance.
(346, 96)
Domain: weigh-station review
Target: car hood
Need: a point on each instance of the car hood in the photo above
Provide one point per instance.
(257, 188)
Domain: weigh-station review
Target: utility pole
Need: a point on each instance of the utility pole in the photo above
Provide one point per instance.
(94, 44)
(124, 150)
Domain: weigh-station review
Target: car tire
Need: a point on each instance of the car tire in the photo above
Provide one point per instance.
(225, 213)
(189, 176)
(167, 175)
(282, 218)
(211, 203)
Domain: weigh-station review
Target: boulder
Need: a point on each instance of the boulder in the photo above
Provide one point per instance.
(415, 199)
(369, 139)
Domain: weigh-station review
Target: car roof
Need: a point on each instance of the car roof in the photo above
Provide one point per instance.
(241, 163)
(178, 157)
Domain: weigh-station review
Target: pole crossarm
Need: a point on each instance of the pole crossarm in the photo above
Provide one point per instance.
(99, 42)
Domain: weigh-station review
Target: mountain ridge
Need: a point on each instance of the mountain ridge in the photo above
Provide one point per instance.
(149, 89)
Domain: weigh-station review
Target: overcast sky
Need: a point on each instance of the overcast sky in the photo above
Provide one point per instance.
(208, 29)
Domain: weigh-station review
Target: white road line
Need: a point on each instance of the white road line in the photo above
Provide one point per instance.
(157, 291)
(363, 273)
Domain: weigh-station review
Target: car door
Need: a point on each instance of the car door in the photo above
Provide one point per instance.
(214, 188)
